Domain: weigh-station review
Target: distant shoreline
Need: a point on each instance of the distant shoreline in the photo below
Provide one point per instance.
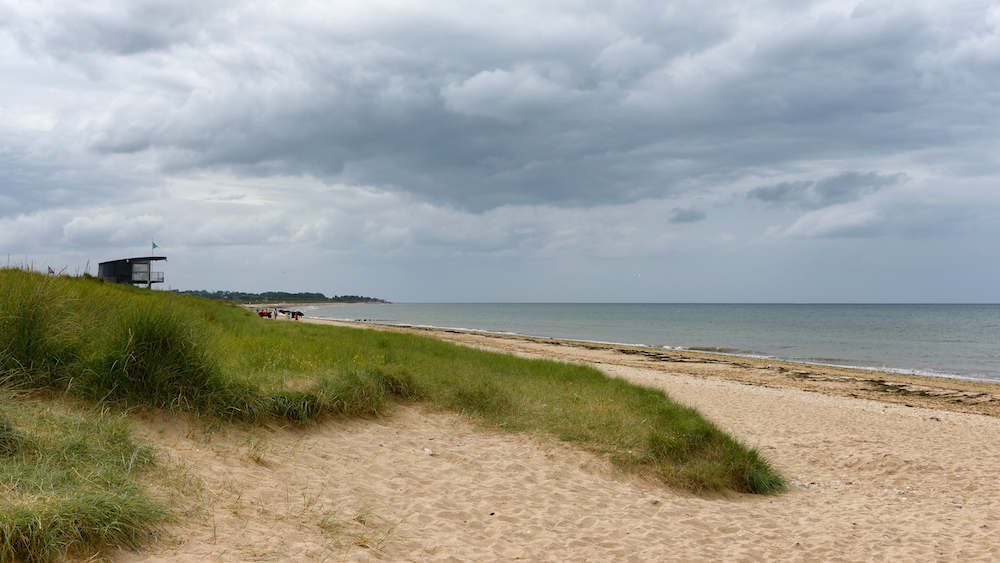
(938, 341)
(250, 305)
(718, 352)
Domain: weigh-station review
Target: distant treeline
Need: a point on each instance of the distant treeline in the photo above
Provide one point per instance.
(283, 296)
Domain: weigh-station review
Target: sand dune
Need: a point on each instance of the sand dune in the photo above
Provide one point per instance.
(872, 481)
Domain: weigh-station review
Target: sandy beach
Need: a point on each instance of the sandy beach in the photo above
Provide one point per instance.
(883, 468)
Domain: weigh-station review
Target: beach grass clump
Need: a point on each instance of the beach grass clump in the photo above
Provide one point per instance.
(72, 483)
(354, 393)
(136, 348)
(484, 400)
(12, 440)
(636, 427)
(687, 448)
(97, 341)
(150, 355)
(35, 340)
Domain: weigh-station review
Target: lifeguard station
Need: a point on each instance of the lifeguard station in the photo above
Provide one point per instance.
(135, 271)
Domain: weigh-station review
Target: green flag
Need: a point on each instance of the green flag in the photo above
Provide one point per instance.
(154, 245)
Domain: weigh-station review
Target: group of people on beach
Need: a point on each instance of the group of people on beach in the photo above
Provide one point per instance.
(273, 314)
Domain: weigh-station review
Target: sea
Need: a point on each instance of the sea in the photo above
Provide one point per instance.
(953, 341)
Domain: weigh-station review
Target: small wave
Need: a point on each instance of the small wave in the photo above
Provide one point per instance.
(717, 350)
(979, 377)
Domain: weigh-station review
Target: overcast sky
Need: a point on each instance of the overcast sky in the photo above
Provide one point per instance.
(740, 151)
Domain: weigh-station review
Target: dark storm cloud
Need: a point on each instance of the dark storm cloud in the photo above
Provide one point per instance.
(571, 107)
(574, 108)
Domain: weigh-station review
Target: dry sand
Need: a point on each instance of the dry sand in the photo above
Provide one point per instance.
(873, 480)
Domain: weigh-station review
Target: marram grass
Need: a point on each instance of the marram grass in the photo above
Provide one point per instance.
(71, 483)
(129, 348)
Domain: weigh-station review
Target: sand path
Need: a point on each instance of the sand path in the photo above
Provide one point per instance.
(872, 481)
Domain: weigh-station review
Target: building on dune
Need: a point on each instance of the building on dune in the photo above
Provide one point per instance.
(135, 271)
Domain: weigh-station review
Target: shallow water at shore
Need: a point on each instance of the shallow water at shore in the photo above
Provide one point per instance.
(958, 341)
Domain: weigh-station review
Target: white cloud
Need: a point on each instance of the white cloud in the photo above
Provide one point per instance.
(510, 96)
(846, 220)
(109, 228)
(631, 56)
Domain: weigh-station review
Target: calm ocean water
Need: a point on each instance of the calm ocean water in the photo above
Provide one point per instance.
(960, 341)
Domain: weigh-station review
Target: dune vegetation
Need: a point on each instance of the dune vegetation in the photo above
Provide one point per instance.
(75, 480)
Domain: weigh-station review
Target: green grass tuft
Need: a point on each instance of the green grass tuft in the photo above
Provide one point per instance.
(483, 399)
(36, 342)
(71, 483)
(150, 355)
(12, 441)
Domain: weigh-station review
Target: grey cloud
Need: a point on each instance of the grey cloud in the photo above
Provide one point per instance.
(522, 105)
(843, 188)
(849, 186)
(507, 116)
(111, 227)
(73, 31)
(680, 215)
(29, 182)
(785, 192)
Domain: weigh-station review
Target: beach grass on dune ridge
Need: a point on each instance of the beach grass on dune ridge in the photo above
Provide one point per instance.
(127, 348)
